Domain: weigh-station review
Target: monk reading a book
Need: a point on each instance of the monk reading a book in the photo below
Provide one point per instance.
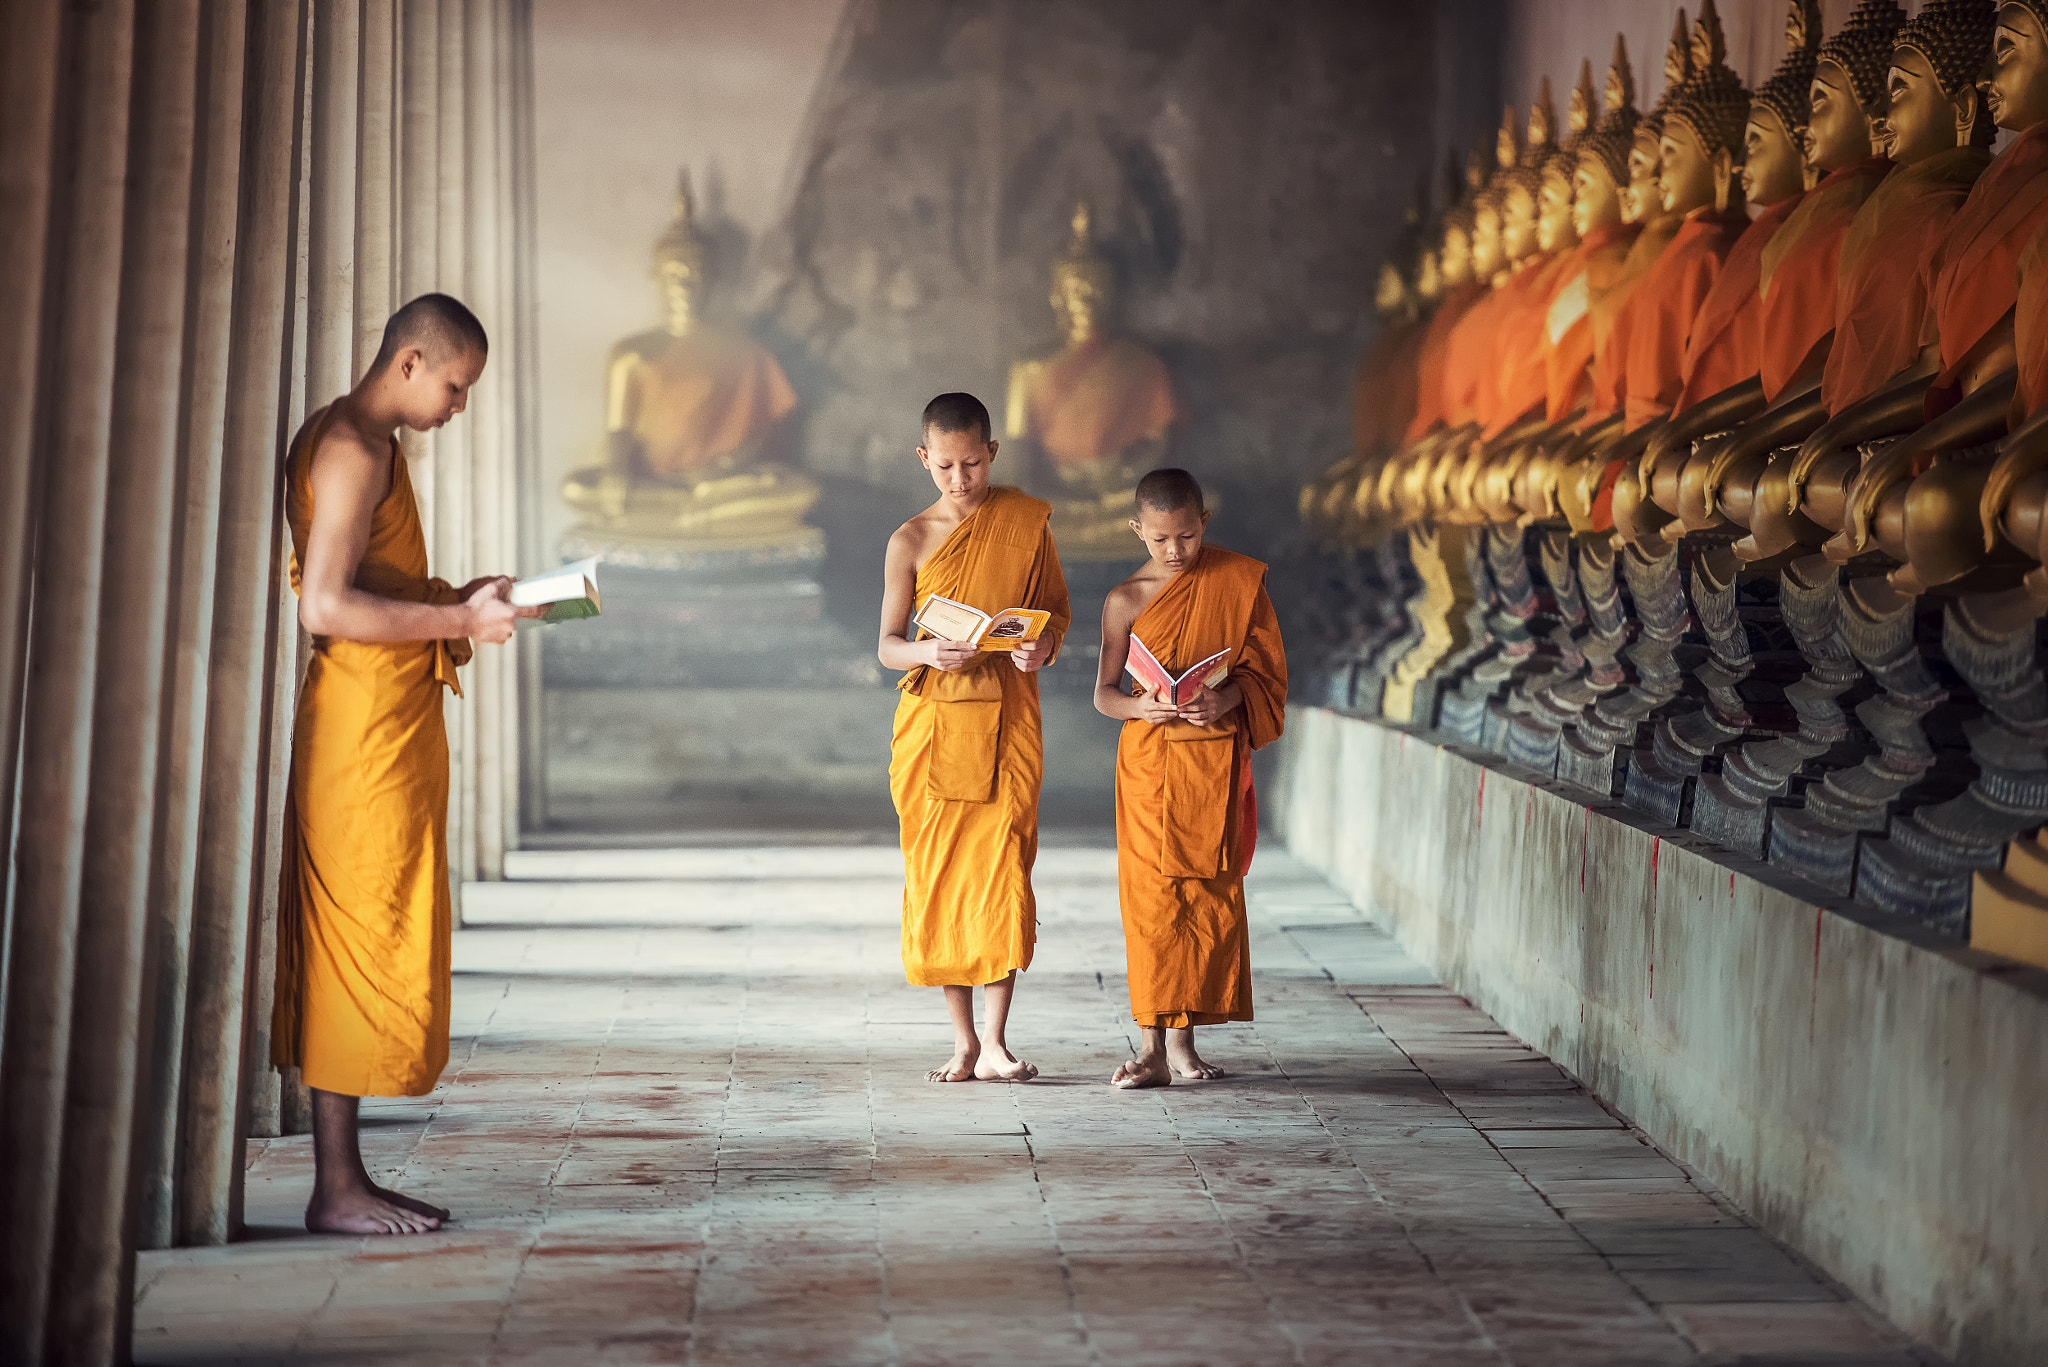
(1212, 688)
(967, 759)
(363, 914)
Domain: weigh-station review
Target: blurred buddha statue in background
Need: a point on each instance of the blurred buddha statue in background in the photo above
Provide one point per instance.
(1095, 414)
(690, 409)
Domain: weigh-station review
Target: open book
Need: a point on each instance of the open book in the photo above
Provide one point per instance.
(569, 592)
(1178, 689)
(950, 620)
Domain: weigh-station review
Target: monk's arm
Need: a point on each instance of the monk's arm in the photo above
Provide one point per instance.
(349, 481)
(899, 596)
(1118, 614)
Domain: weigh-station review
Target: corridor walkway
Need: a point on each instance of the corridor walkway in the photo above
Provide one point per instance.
(686, 1123)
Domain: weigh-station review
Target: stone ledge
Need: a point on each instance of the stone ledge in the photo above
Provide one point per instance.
(1874, 1095)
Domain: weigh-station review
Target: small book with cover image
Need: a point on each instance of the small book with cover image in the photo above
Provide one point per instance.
(950, 620)
(1179, 689)
(569, 592)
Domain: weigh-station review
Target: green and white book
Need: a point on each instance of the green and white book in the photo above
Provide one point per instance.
(569, 593)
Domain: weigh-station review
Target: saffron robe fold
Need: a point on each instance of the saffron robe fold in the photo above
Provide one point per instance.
(1186, 815)
(1469, 360)
(1521, 376)
(1612, 315)
(1722, 348)
(1976, 268)
(1665, 304)
(967, 758)
(1568, 323)
(703, 397)
(1800, 269)
(363, 920)
(1383, 402)
(1095, 401)
(2030, 330)
(1432, 356)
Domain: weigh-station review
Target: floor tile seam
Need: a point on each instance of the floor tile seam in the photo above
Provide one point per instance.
(886, 1305)
(1407, 1232)
(732, 1063)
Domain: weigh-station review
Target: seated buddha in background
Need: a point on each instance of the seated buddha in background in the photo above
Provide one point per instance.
(689, 412)
(1096, 412)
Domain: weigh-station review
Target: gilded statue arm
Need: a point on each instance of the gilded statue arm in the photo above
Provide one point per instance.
(621, 405)
(1715, 413)
(1897, 407)
(1978, 418)
(1017, 408)
(1797, 412)
(2020, 455)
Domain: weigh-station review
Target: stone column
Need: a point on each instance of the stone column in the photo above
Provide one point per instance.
(516, 109)
(72, 426)
(243, 644)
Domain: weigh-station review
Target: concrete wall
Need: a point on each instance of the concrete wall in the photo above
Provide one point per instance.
(1876, 1101)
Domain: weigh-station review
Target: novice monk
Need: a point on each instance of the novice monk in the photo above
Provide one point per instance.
(363, 913)
(1186, 816)
(966, 759)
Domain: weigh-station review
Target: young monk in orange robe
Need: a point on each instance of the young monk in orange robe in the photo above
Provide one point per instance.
(363, 914)
(967, 758)
(1186, 815)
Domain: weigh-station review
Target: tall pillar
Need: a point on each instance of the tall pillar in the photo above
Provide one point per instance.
(72, 426)
(188, 626)
(516, 110)
(454, 445)
(92, 1283)
(243, 645)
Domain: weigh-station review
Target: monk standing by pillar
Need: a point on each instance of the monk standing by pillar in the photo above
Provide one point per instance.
(967, 758)
(364, 917)
(1186, 816)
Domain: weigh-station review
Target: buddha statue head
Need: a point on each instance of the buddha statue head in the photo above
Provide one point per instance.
(1083, 286)
(1932, 103)
(1848, 89)
(1429, 280)
(1555, 230)
(1702, 140)
(1489, 257)
(2018, 92)
(1643, 196)
(1454, 257)
(1773, 160)
(1600, 170)
(679, 264)
(1522, 185)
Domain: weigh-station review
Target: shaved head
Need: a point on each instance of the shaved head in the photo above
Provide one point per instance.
(438, 325)
(958, 413)
(1169, 491)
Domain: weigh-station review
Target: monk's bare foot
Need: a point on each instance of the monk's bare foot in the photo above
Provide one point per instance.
(362, 1211)
(1193, 1067)
(998, 1064)
(1185, 1062)
(1148, 1070)
(959, 1068)
(411, 1203)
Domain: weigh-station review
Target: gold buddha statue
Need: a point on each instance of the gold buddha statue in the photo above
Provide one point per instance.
(1096, 412)
(689, 412)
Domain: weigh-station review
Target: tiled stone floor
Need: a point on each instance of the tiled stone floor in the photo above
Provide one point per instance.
(686, 1123)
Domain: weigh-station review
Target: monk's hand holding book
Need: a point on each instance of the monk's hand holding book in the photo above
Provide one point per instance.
(1210, 705)
(1154, 707)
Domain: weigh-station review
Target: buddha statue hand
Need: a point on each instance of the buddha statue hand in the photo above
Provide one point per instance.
(1895, 408)
(1715, 413)
(1977, 419)
(2020, 456)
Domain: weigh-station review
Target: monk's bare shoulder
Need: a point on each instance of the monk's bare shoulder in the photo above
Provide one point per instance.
(915, 540)
(1120, 608)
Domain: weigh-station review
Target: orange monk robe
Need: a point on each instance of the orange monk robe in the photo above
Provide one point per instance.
(1096, 400)
(1976, 268)
(1613, 316)
(1568, 323)
(703, 397)
(1469, 360)
(966, 759)
(1664, 308)
(363, 904)
(1799, 273)
(1521, 348)
(1885, 270)
(1722, 348)
(1383, 402)
(1186, 814)
(1432, 356)
(2030, 329)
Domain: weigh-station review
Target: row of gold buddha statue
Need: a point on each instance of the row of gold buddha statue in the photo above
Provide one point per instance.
(1738, 511)
(692, 411)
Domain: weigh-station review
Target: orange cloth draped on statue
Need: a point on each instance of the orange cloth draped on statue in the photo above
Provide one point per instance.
(1612, 315)
(1666, 302)
(1186, 814)
(1976, 268)
(1469, 360)
(1522, 352)
(363, 919)
(1800, 271)
(704, 397)
(1882, 281)
(2030, 329)
(1723, 347)
(1094, 401)
(1432, 355)
(966, 760)
(1568, 323)
(1383, 403)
